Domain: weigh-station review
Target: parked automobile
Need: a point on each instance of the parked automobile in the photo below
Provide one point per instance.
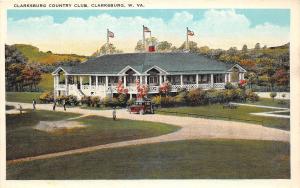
(142, 107)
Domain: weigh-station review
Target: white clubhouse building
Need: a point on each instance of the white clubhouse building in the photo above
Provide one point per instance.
(100, 76)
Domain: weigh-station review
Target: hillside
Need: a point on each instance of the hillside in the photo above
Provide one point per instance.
(46, 58)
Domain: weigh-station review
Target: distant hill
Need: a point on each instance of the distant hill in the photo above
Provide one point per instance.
(46, 58)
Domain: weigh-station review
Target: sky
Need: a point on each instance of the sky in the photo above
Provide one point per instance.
(84, 31)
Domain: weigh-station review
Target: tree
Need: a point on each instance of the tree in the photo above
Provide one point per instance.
(31, 76)
(14, 64)
(165, 87)
(164, 46)
(257, 46)
(107, 49)
(244, 48)
(281, 77)
(265, 47)
(148, 41)
(192, 47)
(204, 50)
(232, 51)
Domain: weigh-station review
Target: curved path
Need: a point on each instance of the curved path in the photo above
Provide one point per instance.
(191, 128)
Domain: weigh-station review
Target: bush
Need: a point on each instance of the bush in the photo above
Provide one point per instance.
(273, 95)
(86, 100)
(130, 102)
(167, 101)
(251, 96)
(156, 100)
(95, 101)
(229, 85)
(72, 100)
(122, 99)
(106, 101)
(114, 102)
(196, 97)
(46, 97)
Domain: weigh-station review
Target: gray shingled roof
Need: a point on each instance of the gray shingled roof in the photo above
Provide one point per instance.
(170, 62)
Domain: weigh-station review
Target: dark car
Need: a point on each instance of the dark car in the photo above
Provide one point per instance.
(142, 107)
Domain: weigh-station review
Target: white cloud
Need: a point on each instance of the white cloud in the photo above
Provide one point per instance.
(217, 29)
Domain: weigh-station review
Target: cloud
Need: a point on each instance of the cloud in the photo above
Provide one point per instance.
(217, 29)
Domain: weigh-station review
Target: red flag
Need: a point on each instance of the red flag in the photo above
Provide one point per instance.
(110, 34)
(146, 29)
(189, 32)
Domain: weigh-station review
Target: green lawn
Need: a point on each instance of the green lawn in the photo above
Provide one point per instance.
(282, 113)
(226, 159)
(46, 84)
(216, 111)
(271, 102)
(22, 96)
(23, 141)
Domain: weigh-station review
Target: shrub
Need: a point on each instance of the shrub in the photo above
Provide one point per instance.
(114, 102)
(167, 101)
(46, 97)
(106, 101)
(72, 100)
(180, 99)
(229, 85)
(156, 100)
(273, 95)
(86, 100)
(130, 102)
(196, 97)
(251, 96)
(211, 96)
(95, 101)
(122, 99)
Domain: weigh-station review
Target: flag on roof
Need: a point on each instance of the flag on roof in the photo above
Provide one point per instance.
(189, 32)
(110, 34)
(146, 29)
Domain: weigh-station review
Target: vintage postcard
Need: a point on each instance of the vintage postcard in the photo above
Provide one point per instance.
(197, 93)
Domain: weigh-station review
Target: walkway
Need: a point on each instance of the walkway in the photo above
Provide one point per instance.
(191, 128)
(267, 114)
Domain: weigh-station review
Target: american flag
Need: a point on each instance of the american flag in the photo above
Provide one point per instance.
(110, 34)
(189, 32)
(146, 29)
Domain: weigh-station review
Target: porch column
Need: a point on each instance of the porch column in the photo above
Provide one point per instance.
(229, 77)
(90, 81)
(125, 81)
(197, 80)
(141, 80)
(226, 77)
(243, 76)
(96, 81)
(146, 79)
(66, 84)
(212, 80)
(181, 80)
(240, 76)
(160, 79)
(80, 80)
(106, 81)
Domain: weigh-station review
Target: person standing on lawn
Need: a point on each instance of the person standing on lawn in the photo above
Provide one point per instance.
(64, 105)
(114, 113)
(33, 104)
(54, 105)
(20, 108)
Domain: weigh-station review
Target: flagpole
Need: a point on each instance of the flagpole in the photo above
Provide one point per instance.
(107, 40)
(144, 38)
(187, 39)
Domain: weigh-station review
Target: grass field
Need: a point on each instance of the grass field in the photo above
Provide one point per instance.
(46, 83)
(23, 141)
(22, 96)
(271, 102)
(282, 113)
(226, 159)
(240, 114)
